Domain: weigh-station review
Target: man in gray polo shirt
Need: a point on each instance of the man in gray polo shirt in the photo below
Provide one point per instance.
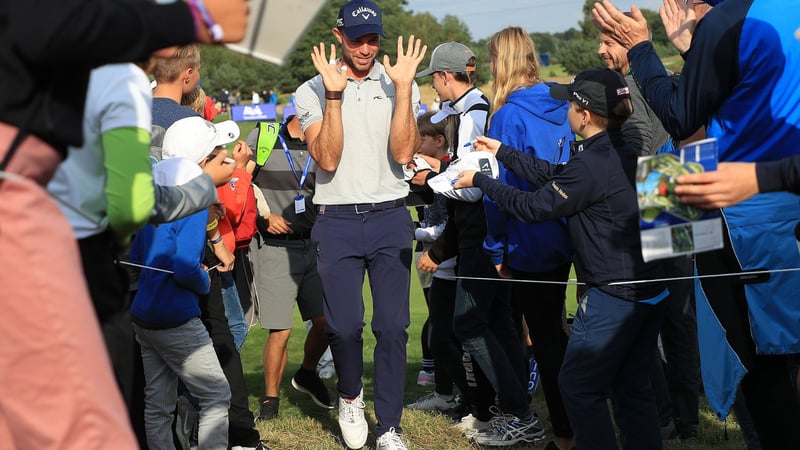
(359, 120)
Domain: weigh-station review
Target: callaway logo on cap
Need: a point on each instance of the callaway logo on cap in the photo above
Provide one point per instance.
(360, 17)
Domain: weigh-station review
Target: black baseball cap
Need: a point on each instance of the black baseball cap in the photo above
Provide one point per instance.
(598, 90)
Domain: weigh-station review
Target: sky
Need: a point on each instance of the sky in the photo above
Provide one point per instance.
(485, 17)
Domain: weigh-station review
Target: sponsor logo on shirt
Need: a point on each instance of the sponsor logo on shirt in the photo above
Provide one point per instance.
(560, 191)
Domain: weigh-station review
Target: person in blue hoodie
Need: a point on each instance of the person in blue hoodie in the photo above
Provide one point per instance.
(614, 335)
(166, 311)
(740, 81)
(526, 117)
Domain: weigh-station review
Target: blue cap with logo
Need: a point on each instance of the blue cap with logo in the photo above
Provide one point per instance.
(360, 17)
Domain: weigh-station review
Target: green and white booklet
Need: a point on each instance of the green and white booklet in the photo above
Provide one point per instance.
(668, 227)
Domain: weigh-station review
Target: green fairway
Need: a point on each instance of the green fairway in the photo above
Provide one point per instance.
(303, 425)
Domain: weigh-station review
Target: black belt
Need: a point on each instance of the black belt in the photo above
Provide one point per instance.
(361, 208)
(288, 237)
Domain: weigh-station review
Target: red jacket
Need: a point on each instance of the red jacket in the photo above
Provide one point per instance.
(239, 224)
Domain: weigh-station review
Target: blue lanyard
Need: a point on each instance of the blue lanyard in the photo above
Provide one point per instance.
(302, 180)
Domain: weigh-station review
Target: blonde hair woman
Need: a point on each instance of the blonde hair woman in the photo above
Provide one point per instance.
(525, 117)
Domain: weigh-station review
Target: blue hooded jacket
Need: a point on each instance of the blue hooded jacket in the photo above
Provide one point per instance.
(535, 123)
(740, 81)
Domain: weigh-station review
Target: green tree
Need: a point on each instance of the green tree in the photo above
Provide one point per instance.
(577, 55)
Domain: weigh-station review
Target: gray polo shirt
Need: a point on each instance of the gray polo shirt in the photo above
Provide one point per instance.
(367, 173)
(643, 130)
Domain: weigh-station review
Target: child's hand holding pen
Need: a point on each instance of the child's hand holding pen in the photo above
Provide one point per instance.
(484, 144)
(464, 179)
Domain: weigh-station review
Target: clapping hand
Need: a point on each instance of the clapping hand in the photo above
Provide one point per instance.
(679, 21)
(628, 31)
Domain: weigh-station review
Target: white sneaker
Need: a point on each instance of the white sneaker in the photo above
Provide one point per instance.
(390, 441)
(352, 422)
(469, 425)
(434, 402)
(426, 378)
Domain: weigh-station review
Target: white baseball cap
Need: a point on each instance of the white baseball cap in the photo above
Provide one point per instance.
(194, 138)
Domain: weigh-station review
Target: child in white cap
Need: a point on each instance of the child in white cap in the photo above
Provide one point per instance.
(165, 310)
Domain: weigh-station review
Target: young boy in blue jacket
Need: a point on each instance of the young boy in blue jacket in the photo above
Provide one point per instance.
(616, 327)
(165, 311)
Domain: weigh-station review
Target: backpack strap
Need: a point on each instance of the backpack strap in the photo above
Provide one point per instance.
(455, 124)
(267, 135)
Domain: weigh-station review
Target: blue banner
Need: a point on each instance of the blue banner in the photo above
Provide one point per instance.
(254, 113)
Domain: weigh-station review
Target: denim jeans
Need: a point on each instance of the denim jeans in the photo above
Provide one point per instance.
(186, 353)
(610, 353)
(482, 321)
(233, 309)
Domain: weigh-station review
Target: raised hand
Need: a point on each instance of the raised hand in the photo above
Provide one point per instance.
(242, 154)
(405, 68)
(679, 21)
(219, 171)
(628, 31)
(334, 75)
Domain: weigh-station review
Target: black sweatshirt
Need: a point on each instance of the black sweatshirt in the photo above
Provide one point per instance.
(48, 48)
(781, 175)
(596, 191)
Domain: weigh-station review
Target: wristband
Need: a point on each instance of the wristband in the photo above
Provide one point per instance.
(217, 240)
(211, 225)
(201, 15)
(333, 95)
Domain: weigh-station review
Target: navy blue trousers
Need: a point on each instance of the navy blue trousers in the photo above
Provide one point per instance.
(610, 354)
(352, 241)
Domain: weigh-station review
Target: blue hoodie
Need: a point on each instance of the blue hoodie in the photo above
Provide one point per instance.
(167, 300)
(535, 123)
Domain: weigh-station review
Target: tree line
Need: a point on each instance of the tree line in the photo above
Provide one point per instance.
(574, 49)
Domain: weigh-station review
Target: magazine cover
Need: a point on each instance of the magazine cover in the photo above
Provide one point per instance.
(668, 227)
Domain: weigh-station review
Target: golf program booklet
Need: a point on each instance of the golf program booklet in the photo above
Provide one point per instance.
(668, 227)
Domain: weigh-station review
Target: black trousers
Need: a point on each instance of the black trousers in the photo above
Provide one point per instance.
(108, 286)
(241, 428)
(677, 383)
(542, 306)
